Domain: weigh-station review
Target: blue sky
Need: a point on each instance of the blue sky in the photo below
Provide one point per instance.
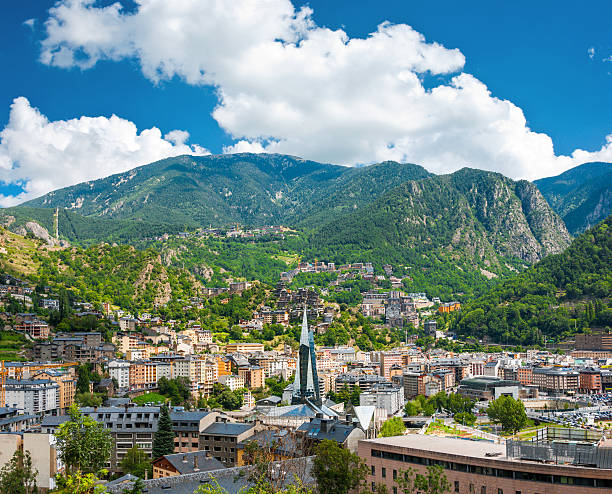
(532, 54)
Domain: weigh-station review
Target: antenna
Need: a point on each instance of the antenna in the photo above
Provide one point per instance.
(56, 223)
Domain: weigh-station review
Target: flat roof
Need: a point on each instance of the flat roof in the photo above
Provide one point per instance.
(448, 445)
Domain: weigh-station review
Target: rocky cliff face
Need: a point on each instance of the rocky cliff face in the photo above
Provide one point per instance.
(582, 196)
(482, 215)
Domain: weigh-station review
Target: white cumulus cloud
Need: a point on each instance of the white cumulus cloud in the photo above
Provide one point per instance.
(42, 155)
(286, 85)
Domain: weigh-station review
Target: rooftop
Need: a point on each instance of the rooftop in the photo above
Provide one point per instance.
(186, 462)
(448, 445)
(227, 428)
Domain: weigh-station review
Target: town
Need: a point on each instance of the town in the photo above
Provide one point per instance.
(273, 379)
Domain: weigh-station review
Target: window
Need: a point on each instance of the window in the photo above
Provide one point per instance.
(373, 486)
(456, 486)
(384, 473)
(500, 491)
(394, 474)
(394, 490)
(471, 488)
(483, 489)
(373, 470)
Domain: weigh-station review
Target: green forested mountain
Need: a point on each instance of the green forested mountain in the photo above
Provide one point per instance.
(582, 196)
(453, 234)
(218, 190)
(85, 230)
(464, 226)
(558, 296)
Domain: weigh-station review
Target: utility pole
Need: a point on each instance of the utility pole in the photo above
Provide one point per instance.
(56, 223)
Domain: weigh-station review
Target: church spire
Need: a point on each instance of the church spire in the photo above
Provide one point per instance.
(306, 384)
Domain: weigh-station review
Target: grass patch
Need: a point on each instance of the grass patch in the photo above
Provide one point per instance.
(149, 398)
(12, 346)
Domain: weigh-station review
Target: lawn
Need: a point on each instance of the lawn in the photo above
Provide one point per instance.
(149, 398)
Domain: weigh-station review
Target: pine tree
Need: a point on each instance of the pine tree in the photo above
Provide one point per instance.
(83, 380)
(163, 442)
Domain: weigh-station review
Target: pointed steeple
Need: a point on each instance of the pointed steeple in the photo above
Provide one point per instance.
(306, 383)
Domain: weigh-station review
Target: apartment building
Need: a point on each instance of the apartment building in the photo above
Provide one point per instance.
(389, 360)
(253, 376)
(244, 347)
(221, 439)
(67, 386)
(187, 427)
(33, 396)
(385, 396)
(35, 328)
(556, 379)
(129, 426)
(120, 370)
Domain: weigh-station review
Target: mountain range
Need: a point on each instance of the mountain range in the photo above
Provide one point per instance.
(582, 196)
(450, 234)
(218, 190)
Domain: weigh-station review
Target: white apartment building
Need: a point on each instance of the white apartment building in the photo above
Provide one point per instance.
(33, 396)
(120, 370)
(390, 398)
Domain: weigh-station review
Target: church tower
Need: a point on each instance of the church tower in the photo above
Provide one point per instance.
(306, 384)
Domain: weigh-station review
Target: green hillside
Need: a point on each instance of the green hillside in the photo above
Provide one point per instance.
(250, 189)
(452, 232)
(582, 196)
(558, 296)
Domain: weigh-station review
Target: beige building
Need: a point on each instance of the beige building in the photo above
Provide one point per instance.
(67, 386)
(244, 347)
(42, 451)
(479, 467)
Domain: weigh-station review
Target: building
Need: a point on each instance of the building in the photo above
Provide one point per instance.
(67, 386)
(597, 340)
(11, 420)
(488, 388)
(188, 426)
(318, 429)
(449, 307)
(364, 382)
(49, 303)
(143, 374)
(232, 381)
(244, 347)
(556, 380)
(479, 467)
(305, 386)
(386, 396)
(33, 396)
(120, 370)
(221, 440)
(589, 381)
(389, 360)
(253, 376)
(129, 426)
(43, 452)
(35, 328)
(184, 463)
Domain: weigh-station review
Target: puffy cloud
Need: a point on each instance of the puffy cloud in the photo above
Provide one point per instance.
(287, 85)
(41, 156)
(591, 52)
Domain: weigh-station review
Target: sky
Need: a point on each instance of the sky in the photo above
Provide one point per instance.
(95, 88)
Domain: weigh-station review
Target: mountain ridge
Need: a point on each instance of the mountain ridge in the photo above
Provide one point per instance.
(582, 195)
